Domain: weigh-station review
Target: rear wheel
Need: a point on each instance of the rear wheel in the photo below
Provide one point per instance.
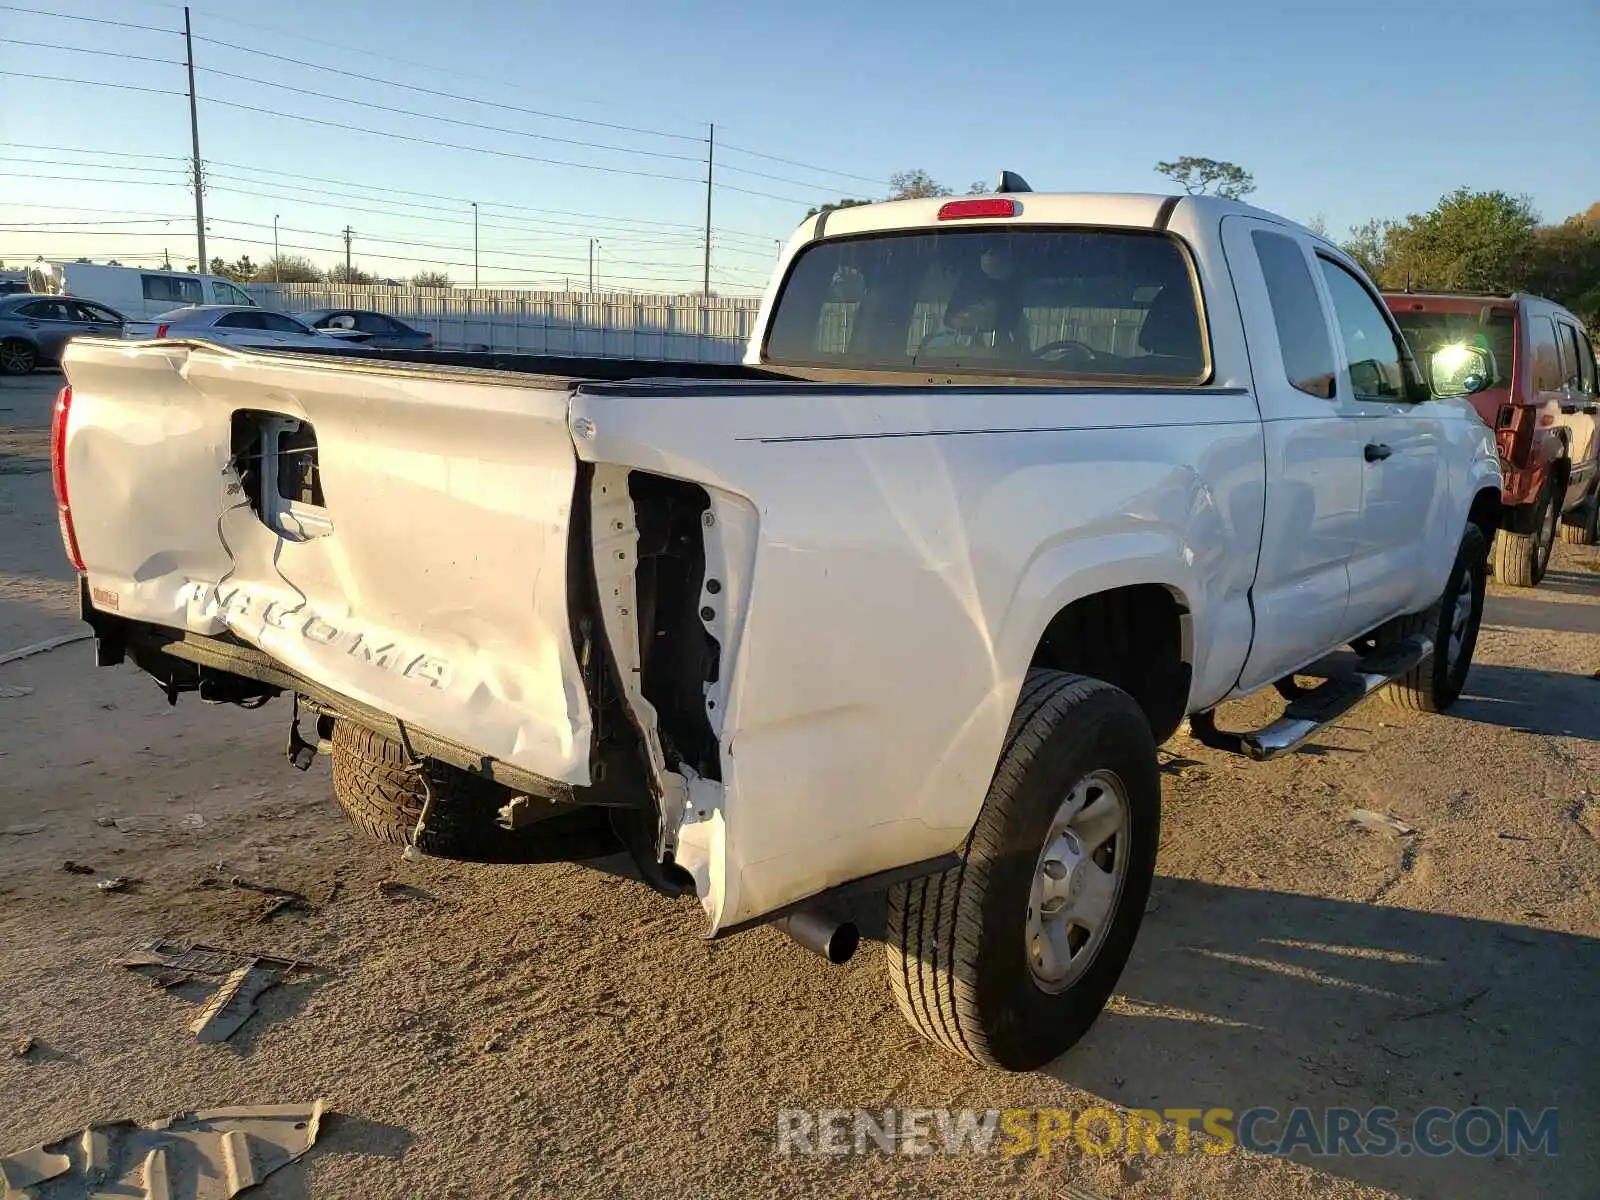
(1435, 683)
(1008, 958)
(1586, 530)
(17, 357)
(383, 794)
(1521, 559)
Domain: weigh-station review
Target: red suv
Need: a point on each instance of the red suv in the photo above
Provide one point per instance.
(1537, 389)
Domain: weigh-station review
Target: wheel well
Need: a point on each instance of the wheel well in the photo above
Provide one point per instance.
(1132, 638)
(1485, 514)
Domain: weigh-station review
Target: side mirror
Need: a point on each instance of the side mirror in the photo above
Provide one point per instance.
(1459, 370)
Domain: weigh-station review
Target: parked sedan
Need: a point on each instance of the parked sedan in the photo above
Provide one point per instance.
(34, 329)
(237, 325)
(383, 331)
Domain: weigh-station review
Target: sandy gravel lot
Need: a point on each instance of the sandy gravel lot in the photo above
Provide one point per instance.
(560, 1030)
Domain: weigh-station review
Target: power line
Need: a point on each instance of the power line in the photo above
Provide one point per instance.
(406, 112)
(412, 87)
(807, 166)
(126, 87)
(57, 162)
(422, 141)
(107, 153)
(39, 12)
(95, 179)
(171, 62)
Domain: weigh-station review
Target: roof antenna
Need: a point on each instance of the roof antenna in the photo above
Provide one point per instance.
(1010, 181)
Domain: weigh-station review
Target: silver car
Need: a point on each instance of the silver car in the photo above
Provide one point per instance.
(237, 325)
(34, 329)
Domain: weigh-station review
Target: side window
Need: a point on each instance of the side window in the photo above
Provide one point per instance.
(174, 288)
(1371, 347)
(1575, 364)
(93, 312)
(1296, 313)
(240, 320)
(44, 310)
(1586, 358)
(279, 324)
(1546, 357)
(373, 323)
(226, 293)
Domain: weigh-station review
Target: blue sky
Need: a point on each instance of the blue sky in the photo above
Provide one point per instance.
(1344, 110)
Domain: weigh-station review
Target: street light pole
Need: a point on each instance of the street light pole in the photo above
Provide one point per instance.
(474, 243)
(277, 260)
(591, 266)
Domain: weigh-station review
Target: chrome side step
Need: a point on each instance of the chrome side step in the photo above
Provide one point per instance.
(1321, 706)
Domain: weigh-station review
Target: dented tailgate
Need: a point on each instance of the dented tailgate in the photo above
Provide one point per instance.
(396, 534)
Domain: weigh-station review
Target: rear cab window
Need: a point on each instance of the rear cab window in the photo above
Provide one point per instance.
(1034, 302)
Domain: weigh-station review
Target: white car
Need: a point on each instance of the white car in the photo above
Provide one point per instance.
(236, 325)
(1008, 488)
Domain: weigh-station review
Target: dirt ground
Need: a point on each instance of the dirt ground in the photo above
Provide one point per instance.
(561, 1030)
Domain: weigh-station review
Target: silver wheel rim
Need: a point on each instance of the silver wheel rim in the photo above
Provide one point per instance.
(14, 360)
(1078, 881)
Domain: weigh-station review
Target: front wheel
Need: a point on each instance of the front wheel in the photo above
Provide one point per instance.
(1521, 559)
(1008, 958)
(1435, 683)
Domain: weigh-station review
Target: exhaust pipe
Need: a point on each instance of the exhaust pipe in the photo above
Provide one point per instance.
(821, 933)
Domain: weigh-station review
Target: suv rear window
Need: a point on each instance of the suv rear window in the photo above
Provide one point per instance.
(1037, 301)
(1491, 329)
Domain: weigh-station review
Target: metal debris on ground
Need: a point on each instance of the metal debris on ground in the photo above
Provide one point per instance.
(244, 977)
(208, 1155)
(1377, 822)
(14, 691)
(76, 868)
(23, 830)
(40, 647)
(117, 883)
(193, 821)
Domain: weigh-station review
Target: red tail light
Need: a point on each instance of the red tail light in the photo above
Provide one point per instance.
(969, 210)
(58, 474)
(161, 330)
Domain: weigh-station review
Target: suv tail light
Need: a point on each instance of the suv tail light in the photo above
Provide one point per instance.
(161, 330)
(58, 474)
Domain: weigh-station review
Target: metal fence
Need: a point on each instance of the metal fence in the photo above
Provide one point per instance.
(604, 325)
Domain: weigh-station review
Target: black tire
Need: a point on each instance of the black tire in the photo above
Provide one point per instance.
(17, 357)
(1587, 531)
(957, 945)
(1521, 559)
(1435, 683)
(383, 797)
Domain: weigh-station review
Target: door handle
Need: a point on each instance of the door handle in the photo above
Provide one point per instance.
(1376, 452)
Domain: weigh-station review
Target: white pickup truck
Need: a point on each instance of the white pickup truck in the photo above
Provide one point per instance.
(1009, 487)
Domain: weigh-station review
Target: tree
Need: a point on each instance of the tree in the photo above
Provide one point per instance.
(111, 262)
(338, 273)
(287, 268)
(1318, 225)
(1562, 262)
(431, 279)
(1469, 241)
(1368, 244)
(915, 185)
(847, 202)
(1209, 177)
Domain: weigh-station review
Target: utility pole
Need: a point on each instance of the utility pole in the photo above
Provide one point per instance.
(348, 275)
(277, 259)
(474, 243)
(711, 154)
(194, 136)
(591, 266)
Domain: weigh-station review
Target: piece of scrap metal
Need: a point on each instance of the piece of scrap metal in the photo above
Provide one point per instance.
(244, 977)
(208, 1155)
